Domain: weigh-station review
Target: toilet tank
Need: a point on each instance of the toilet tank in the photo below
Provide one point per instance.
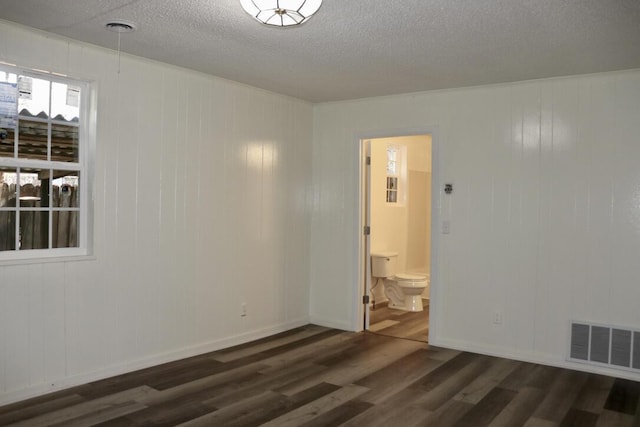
(383, 264)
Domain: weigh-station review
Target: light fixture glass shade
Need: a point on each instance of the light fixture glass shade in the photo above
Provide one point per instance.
(281, 13)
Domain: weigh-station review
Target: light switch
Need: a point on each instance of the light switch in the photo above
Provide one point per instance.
(446, 226)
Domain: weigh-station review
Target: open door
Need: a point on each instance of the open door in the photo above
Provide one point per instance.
(395, 179)
(366, 168)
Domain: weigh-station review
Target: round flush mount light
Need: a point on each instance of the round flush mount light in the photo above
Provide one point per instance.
(120, 26)
(281, 13)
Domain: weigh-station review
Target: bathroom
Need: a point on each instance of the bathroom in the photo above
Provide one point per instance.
(400, 217)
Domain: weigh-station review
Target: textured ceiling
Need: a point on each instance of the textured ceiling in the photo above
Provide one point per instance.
(361, 48)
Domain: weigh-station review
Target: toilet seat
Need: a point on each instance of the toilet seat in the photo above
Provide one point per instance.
(405, 280)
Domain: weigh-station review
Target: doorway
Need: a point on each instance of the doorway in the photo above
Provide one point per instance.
(396, 199)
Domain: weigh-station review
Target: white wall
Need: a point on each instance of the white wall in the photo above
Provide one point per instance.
(202, 202)
(545, 213)
(419, 205)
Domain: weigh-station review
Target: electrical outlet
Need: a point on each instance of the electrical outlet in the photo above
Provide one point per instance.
(497, 317)
(243, 309)
(446, 226)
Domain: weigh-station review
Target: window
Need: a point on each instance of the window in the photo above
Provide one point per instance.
(43, 176)
(395, 174)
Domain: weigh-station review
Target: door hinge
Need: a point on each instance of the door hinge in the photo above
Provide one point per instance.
(367, 230)
(365, 299)
(368, 161)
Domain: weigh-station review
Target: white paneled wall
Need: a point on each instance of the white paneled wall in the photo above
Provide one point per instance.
(545, 213)
(202, 202)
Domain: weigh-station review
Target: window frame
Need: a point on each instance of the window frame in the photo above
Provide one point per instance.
(84, 167)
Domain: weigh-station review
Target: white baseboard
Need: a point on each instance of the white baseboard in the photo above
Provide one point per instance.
(53, 385)
(539, 358)
(330, 323)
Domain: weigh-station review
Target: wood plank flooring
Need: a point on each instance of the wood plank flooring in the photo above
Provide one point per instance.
(314, 376)
(400, 324)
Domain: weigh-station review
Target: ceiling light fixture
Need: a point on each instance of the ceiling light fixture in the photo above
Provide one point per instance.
(281, 13)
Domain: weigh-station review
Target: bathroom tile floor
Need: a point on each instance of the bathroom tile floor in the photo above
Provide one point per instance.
(400, 324)
(314, 376)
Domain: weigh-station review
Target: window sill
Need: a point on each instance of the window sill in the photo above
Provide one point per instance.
(43, 260)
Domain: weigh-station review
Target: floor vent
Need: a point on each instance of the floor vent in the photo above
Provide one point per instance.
(609, 345)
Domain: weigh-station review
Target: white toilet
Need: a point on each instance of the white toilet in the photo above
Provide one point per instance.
(404, 291)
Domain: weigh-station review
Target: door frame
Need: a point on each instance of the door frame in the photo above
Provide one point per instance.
(361, 269)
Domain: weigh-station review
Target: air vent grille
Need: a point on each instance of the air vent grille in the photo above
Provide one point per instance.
(621, 347)
(601, 344)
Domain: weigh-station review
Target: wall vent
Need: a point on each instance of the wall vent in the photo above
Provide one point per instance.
(601, 344)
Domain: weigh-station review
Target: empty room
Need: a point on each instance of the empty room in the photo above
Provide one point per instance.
(320, 212)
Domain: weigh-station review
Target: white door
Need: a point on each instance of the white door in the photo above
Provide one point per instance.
(366, 160)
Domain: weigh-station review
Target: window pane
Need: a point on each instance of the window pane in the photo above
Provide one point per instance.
(7, 139)
(392, 157)
(392, 183)
(34, 191)
(34, 230)
(33, 97)
(392, 196)
(7, 230)
(391, 168)
(65, 229)
(8, 100)
(32, 140)
(65, 189)
(64, 143)
(8, 77)
(65, 102)
(8, 179)
(65, 222)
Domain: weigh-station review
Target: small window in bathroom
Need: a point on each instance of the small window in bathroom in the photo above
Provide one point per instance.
(394, 169)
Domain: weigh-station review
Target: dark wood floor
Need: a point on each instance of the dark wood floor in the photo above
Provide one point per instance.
(400, 324)
(313, 376)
